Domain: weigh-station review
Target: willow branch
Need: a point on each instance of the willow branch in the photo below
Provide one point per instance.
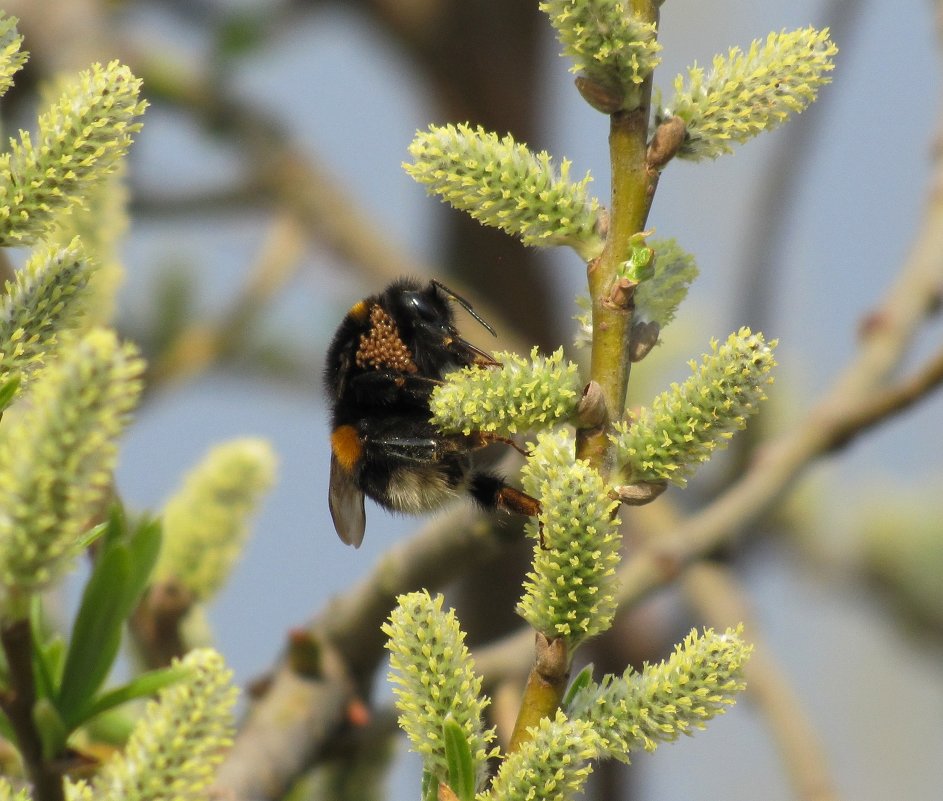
(907, 305)
(17, 702)
(891, 402)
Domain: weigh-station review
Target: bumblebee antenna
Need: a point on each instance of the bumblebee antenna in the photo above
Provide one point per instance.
(464, 304)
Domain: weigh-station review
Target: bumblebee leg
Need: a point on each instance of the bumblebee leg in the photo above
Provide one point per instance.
(487, 438)
(513, 500)
(493, 493)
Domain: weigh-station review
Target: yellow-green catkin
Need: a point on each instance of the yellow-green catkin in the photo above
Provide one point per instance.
(552, 765)
(180, 740)
(7, 793)
(606, 42)
(206, 522)
(100, 221)
(748, 93)
(12, 58)
(45, 300)
(637, 711)
(80, 140)
(56, 458)
(519, 396)
(501, 183)
(685, 424)
(570, 592)
(434, 678)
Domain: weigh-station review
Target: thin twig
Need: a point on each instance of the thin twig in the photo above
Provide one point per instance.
(17, 702)
(610, 361)
(885, 405)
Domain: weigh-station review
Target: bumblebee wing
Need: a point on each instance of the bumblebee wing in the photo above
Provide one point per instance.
(418, 450)
(346, 501)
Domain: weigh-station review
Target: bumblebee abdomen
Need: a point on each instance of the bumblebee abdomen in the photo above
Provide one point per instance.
(417, 490)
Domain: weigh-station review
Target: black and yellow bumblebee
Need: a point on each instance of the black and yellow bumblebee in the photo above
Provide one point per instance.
(389, 353)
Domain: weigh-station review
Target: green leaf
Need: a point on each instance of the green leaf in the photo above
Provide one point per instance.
(458, 757)
(116, 526)
(51, 728)
(112, 727)
(430, 786)
(143, 544)
(42, 673)
(47, 665)
(96, 633)
(93, 535)
(583, 678)
(113, 590)
(53, 654)
(139, 687)
(640, 265)
(8, 392)
(144, 548)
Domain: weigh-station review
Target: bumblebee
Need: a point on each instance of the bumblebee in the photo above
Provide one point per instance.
(390, 351)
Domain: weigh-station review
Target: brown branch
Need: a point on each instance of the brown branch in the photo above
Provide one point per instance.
(17, 703)
(155, 624)
(885, 405)
(286, 729)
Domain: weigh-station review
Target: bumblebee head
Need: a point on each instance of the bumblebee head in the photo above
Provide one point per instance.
(426, 321)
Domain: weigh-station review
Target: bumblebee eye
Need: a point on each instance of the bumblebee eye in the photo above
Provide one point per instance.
(422, 307)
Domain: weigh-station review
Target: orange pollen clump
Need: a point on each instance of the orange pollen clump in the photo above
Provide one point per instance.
(381, 346)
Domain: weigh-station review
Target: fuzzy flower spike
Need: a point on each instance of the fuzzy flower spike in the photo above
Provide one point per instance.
(177, 744)
(518, 396)
(748, 93)
(206, 523)
(612, 49)
(435, 683)
(81, 138)
(12, 58)
(688, 422)
(46, 299)
(503, 184)
(637, 711)
(570, 592)
(56, 458)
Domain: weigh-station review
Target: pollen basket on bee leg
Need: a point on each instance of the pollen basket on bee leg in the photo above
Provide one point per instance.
(346, 446)
(382, 347)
